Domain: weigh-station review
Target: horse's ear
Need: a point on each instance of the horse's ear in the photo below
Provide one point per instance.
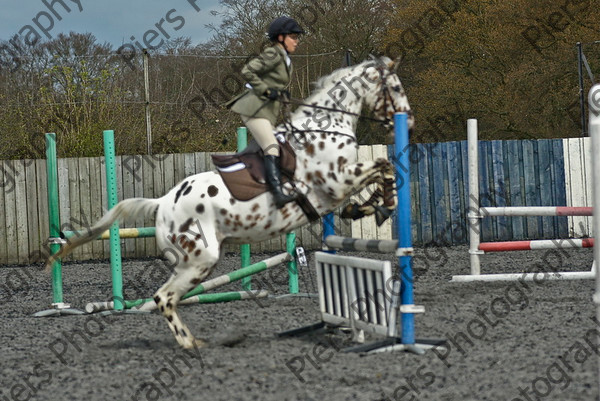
(379, 61)
(386, 61)
(375, 60)
(394, 64)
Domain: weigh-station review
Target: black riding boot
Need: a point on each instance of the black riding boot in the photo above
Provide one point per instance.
(273, 177)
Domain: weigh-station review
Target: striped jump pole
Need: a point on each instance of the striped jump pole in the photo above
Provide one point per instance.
(537, 277)
(361, 245)
(504, 246)
(94, 307)
(148, 304)
(536, 211)
(224, 297)
(140, 232)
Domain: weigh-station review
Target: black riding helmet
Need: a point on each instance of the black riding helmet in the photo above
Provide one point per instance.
(283, 26)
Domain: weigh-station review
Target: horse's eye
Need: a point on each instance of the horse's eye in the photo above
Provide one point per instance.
(396, 88)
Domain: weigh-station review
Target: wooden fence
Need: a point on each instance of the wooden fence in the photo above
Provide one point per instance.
(512, 173)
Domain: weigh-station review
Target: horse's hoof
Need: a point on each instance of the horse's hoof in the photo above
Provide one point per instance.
(230, 338)
(194, 344)
(352, 212)
(382, 214)
(199, 343)
(346, 212)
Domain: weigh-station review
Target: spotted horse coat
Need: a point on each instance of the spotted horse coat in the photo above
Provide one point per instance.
(198, 215)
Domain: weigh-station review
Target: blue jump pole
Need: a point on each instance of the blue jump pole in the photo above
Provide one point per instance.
(403, 219)
(328, 228)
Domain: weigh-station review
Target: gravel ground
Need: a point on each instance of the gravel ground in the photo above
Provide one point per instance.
(506, 341)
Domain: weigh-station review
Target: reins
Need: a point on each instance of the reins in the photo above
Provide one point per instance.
(299, 102)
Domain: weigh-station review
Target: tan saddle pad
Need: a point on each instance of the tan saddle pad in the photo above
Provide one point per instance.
(244, 172)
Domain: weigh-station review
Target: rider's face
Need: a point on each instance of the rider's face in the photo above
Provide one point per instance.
(290, 42)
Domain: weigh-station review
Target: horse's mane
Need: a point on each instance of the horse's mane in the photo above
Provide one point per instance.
(337, 74)
(326, 81)
(334, 76)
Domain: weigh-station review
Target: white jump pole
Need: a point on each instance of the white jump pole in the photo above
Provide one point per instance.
(537, 277)
(594, 127)
(473, 213)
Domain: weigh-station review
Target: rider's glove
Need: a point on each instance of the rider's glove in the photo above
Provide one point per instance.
(272, 94)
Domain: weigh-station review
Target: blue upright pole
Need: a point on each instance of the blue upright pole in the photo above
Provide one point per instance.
(402, 165)
(328, 228)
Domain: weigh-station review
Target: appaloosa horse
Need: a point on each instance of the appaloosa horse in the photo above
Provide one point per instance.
(197, 216)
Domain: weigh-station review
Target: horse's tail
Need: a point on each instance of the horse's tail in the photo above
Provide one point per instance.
(132, 207)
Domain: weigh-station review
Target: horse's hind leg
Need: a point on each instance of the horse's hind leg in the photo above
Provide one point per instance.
(187, 275)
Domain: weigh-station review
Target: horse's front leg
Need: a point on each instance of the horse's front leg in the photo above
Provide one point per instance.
(382, 200)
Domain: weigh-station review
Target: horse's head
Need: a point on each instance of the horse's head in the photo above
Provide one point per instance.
(338, 98)
(389, 96)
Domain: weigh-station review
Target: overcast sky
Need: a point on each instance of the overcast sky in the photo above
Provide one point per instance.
(113, 21)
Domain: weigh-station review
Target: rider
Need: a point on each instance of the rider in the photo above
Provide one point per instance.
(268, 76)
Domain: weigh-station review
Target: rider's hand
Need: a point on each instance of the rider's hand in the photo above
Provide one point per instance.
(272, 94)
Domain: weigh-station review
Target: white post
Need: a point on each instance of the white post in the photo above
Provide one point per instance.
(594, 129)
(473, 214)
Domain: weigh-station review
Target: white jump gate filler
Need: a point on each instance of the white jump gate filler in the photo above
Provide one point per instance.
(353, 293)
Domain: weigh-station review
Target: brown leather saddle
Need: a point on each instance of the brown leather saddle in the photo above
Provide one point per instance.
(244, 172)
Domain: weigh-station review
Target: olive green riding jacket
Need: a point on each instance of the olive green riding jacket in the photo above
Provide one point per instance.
(268, 70)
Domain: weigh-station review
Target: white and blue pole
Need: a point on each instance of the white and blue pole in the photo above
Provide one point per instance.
(328, 228)
(403, 222)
